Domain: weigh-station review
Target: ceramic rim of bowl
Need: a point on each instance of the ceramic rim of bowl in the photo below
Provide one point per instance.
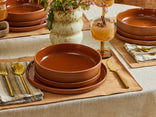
(40, 10)
(138, 9)
(56, 71)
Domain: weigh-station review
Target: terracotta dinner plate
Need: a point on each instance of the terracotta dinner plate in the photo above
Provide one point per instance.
(134, 41)
(137, 37)
(28, 23)
(26, 29)
(30, 73)
(67, 85)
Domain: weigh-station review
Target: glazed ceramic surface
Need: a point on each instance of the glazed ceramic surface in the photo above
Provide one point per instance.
(136, 37)
(138, 21)
(30, 73)
(23, 11)
(28, 28)
(29, 23)
(67, 85)
(67, 62)
(131, 40)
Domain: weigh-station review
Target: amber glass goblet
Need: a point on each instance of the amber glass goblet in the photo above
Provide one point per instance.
(103, 32)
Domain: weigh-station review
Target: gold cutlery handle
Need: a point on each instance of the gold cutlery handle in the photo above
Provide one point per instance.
(9, 86)
(152, 47)
(122, 80)
(151, 54)
(25, 86)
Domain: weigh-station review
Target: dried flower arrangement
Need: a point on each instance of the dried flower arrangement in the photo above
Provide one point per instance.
(62, 5)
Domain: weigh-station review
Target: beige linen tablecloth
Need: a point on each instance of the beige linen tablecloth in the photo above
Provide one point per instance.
(134, 104)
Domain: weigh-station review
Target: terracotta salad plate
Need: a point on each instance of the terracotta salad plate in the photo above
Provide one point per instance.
(28, 28)
(130, 40)
(67, 85)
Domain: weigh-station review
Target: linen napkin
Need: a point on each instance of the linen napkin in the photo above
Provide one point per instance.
(20, 95)
(139, 56)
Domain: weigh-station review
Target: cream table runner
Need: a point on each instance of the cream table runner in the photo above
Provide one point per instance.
(134, 104)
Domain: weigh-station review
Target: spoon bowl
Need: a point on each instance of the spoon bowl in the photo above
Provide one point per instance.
(19, 69)
(144, 48)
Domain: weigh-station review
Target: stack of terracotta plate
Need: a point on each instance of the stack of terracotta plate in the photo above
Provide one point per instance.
(137, 26)
(24, 16)
(67, 69)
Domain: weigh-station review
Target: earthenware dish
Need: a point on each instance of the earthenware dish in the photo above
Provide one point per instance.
(136, 37)
(67, 85)
(138, 21)
(67, 62)
(28, 28)
(30, 74)
(28, 23)
(134, 41)
(23, 11)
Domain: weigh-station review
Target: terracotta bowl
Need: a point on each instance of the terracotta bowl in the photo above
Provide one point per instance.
(138, 21)
(23, 11)
(67, 62)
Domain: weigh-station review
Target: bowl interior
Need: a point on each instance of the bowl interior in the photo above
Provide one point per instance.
(67, 57)
(23, 6)
(138, 17)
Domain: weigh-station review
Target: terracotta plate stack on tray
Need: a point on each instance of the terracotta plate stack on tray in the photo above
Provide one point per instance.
(24, 16)
(137, 26)
(67, 69)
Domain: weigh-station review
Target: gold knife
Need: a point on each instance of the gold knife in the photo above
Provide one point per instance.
(112, 68)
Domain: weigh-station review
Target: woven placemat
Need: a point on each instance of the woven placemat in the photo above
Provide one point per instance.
(86, 26)
(119, 46)
(112, 85)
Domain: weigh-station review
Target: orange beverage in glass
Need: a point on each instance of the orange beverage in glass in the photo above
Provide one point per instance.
(107, 2)
(102, 33)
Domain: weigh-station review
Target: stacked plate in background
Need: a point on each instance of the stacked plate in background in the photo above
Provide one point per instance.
(137, 26)
(24, 16)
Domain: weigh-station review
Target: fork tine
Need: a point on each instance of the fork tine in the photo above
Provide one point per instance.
(3, 72)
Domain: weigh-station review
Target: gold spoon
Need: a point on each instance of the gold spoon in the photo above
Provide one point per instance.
(151, 54)
(144, 48)
(19, 69)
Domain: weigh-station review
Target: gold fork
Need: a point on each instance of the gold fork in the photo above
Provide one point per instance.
(4, 73)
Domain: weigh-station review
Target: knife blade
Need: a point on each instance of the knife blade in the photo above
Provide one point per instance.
(113, 69)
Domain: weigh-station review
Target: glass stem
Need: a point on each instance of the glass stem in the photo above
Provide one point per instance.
(102, 48)
(103, 11)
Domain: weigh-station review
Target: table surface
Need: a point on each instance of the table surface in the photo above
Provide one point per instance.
(132, 104)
